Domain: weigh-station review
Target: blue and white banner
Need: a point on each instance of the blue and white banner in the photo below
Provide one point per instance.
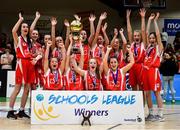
(105, 107)
(172, 26)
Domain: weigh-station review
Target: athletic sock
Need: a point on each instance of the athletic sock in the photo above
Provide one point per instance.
(151, 111)
(160, 112)
(21, 109)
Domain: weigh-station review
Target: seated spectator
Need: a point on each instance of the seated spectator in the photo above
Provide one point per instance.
(6, 59)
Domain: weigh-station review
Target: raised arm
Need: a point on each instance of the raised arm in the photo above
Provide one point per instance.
(63, 62)
(101, 49)
(76, 68)
(92, 28)
(148, 27)
(53, 31)
(34, 22)
(68, 53)
(46, 56)
(77, 17)
(101, 18)
(129, 28)
(106, 39)
(143, 28)
(105, 60)
(121, 32)
(115, 36)
(15, 29)
(130, 64)
(158, 35)
(66, 23)
(81, 63)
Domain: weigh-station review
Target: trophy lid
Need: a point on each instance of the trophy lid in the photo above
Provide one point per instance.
(76, 26)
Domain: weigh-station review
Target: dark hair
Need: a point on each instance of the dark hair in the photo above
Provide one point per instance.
(38, 34)
(169, 48)
(29, 42)
(28, 37)
(111, 57)
(49, 61)
(55, 40)
(38, 40)
(153, 33)
(86, 42)
(120, 42)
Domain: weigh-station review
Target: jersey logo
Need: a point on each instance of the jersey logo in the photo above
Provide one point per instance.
(52, 81)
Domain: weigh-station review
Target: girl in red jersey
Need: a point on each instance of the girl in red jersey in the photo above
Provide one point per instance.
(83, 34)
(83, 39)
(92, 76)
(37, 53)
(59, 41)
(118, 50)
(115, 76)
(57, 50)
(52, 37)
(99, 43)
(24, 76)
(137, 42)
(52, 71)
(151, 75)
(87, 41)
(73, 80)
(76, 27)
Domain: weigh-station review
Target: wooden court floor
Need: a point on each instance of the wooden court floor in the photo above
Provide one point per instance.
(171, 114)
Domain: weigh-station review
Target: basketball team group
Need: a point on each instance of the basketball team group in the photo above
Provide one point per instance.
(88, 63)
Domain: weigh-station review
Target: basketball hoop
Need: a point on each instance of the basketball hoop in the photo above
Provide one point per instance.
(146, 3)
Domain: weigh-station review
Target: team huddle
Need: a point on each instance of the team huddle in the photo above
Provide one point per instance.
(91, 63)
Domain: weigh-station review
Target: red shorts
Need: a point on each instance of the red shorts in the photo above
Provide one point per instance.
(25, 73)
(151, 79)
(135, 75)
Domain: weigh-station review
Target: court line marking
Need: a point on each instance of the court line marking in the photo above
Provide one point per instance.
(114, 127)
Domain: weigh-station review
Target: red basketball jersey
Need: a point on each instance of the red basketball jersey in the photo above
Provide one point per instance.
(139, 52)
(53, 81)
(73, 80)
(115, 80)
(152, 58)
(22, 49)
(119, 56)
(86, 56)
(92, 82)
(58, 54)
(97, 53)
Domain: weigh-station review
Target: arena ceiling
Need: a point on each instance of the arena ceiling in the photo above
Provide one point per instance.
(13, 6)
